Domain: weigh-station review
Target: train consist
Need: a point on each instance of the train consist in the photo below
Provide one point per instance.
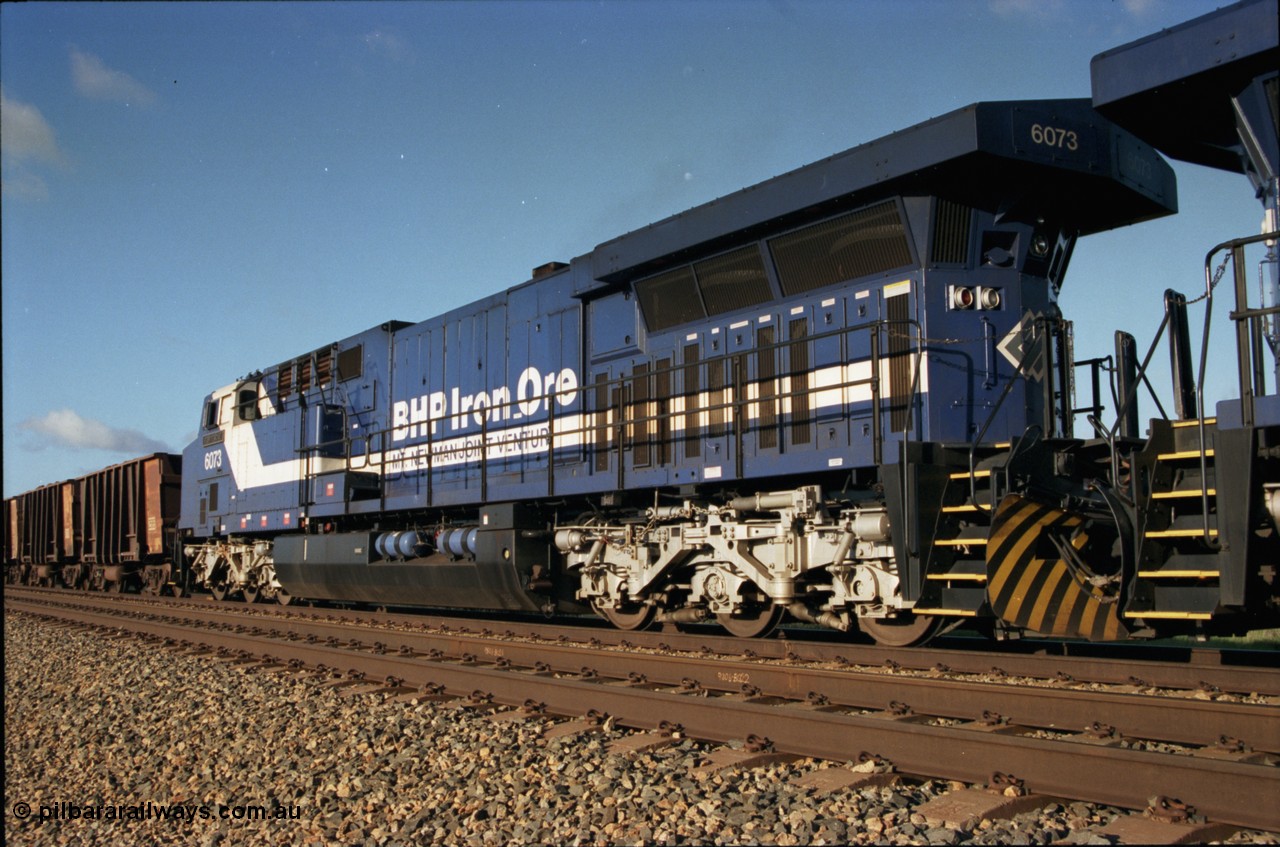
(844, 396)
(110, 529)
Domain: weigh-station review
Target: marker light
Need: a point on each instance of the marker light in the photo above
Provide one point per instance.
(988, 298)
(961, 297)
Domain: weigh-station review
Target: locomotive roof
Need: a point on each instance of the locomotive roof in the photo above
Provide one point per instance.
(1046, 158)
(1174, 87)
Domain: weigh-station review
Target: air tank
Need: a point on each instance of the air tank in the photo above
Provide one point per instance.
(405, 544)
(457, 542)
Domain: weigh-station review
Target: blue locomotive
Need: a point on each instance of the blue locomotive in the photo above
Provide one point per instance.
(846, 395)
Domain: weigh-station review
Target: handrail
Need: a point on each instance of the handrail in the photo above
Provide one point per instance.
(733, 392)
(1095, 368)
(1244, 352)
(1140, 378)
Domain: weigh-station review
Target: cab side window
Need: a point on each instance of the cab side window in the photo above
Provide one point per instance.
(247, 404)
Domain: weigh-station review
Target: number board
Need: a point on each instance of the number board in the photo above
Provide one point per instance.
(1055, 136)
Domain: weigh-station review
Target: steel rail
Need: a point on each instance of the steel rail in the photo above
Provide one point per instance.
(1185, 668)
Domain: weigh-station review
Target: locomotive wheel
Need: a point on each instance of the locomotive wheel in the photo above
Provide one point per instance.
(755, 623)
(903, 631)
(631, 618)
(219, 591)
(175, 589)
(115, 587)
(250, 595)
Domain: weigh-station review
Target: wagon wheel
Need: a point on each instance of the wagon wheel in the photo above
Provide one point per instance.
(250, 595)
(115, 587)
(756, 622)
(902, 631)
(219, 591)
(631, 617)
(175, 589)
(284, 598)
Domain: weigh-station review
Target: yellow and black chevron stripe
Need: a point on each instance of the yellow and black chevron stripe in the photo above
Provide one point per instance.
(1030, 587)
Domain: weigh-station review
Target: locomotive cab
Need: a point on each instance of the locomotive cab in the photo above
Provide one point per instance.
(222, 500)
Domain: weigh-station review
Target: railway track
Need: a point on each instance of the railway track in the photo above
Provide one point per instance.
(1194, 755)
(1195, 671)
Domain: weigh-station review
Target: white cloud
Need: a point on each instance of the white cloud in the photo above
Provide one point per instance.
(1048, 11)
(95, 80)
(1138, 8)
(388, 45)
(63, 428)
(26, 140)
(1034, 9)
(25, 134)
(20, 182)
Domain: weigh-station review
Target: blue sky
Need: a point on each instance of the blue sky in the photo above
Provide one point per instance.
(193, 191)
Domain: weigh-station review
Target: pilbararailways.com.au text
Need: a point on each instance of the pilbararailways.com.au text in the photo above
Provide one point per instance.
(149, 811)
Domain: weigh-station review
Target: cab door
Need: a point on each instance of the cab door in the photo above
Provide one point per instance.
(215, 487)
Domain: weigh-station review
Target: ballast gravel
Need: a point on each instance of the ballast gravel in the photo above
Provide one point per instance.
(110, 741)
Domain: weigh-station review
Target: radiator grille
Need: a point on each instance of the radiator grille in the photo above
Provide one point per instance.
(670, 299)
(898, 312)
(733, 281)
(950, 234)
(868, 241)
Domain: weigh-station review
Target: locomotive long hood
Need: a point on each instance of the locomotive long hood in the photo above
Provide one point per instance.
(1068, 163)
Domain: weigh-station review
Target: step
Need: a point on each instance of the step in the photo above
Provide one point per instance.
(957, 577)
(1179, 573)
(1171, 616)
(1182, 455)
(1197, 493)
(1188, 437)
(1179, 533)
(958, 542)
(1176, 600)
(1208, 422)
(964, 570)
(982, 474)
(967, 507)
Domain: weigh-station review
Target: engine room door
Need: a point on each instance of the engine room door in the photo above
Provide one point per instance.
(718, 402)
(764, 390)
(797, 382)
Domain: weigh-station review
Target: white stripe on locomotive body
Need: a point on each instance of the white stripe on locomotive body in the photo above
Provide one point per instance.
(828, 387)
(248, 470)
